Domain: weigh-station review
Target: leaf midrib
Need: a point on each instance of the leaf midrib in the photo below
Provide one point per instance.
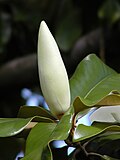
(92, 88)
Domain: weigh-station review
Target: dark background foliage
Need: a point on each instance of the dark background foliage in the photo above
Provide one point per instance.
(79, 26)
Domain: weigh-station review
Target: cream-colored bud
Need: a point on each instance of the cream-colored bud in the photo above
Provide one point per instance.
(52, 73)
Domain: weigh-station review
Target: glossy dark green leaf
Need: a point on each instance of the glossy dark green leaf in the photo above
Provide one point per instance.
(80, 107)
(109, 136)
(102, 90)
(62, 130)
(43, 133)
(46, 154)
(31, 111)
(83, 132)
(105, 144)
(93, 81)
(12, 126)
(110, 100)
(39, 138)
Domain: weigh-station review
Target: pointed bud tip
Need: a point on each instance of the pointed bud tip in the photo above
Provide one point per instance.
(43, 25)
(45, 34)
(52, 73)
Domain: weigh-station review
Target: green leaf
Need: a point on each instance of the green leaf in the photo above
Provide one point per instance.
(43, 133)
(46, 154)
(31, 111)
(84, 132)
(105, 144)
(110, 100)
(39, 138)
(62, 130)
(93, 81)
(13, 126)
(80, 107)
(109, 136)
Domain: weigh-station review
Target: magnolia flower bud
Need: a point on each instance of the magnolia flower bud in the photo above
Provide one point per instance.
(52, 73)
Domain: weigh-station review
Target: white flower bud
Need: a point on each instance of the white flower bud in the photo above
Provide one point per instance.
(52, 73)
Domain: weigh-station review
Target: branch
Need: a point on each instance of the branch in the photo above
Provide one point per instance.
(19, 72)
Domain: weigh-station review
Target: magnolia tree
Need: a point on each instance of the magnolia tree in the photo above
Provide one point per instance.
(93, 85)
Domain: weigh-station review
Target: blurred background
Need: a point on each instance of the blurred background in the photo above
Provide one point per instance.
(80, 27)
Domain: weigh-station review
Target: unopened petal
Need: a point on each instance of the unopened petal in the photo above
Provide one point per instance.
(52, 73)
